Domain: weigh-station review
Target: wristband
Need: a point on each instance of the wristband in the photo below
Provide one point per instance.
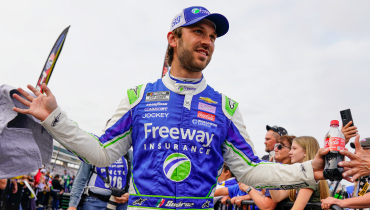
(248, 189)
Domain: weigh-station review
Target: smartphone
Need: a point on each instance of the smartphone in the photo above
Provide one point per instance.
(346, 117)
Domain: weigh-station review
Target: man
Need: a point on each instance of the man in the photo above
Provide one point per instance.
(92, 181)
(181, 130)
(66, 178)
(273, 133)
(361, 196)
(56, 191)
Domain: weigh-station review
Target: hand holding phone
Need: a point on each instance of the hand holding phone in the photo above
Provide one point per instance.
(348, 128)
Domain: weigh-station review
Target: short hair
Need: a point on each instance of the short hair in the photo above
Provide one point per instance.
(226, 168)
(275, 135)
(286, 138)
(169, 54)
(56, 176)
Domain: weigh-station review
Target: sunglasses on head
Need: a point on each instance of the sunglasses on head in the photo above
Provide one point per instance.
(280, 146)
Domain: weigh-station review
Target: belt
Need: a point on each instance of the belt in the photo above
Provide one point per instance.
(104, 198)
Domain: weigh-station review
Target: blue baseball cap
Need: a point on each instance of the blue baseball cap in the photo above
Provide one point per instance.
(191, 15)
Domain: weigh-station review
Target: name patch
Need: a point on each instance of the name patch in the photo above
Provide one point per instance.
(158, 96)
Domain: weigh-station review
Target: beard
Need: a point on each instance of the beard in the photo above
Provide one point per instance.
(187, 61)
(267, 148)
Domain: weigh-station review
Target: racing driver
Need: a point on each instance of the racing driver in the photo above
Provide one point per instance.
(181, 129)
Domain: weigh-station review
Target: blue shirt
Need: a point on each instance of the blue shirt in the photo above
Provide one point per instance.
(80, 182)
(234, 191)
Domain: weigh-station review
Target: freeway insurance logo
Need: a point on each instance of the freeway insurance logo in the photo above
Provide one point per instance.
(177, 167)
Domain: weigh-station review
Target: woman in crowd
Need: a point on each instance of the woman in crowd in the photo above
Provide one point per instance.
(303, 148)
(282, 149)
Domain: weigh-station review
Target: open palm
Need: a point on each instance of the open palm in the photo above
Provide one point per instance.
(41, 106)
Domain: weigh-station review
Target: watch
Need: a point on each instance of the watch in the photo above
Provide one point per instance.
(248, 189)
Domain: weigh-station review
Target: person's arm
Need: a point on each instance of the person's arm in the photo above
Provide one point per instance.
(263, 202)
(221, 191)
(279, 195)
(99, 151)
(303, 197)
(239, 155)
(359, 202)
(81, 179)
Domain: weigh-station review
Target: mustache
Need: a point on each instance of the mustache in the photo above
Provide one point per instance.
(201, 46)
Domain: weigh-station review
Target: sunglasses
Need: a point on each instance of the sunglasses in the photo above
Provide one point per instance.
(280, 146)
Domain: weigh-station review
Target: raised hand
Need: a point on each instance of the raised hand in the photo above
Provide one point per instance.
(349, 131)
(40, 107)
(359, 164)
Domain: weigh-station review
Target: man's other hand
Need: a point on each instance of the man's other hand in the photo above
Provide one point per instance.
(349, 131)
(359, 164)
(71, 208)
(122, 199)
(41, 106)
(318, 164)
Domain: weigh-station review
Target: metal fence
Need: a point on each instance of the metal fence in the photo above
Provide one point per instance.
(282, 205)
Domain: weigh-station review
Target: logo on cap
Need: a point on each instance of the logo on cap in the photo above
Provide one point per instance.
(195, 11)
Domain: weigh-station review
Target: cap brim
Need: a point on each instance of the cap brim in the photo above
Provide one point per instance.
(222, 24)
(268, 127)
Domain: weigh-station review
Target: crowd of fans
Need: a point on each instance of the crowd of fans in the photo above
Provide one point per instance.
(289, 149)
(28, 192)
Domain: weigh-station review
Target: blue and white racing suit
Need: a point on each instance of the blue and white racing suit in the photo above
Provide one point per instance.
(181, 133)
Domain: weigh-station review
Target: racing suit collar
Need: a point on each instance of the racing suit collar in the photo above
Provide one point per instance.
(184, 88)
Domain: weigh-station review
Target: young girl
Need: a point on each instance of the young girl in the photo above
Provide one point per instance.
(303, 148)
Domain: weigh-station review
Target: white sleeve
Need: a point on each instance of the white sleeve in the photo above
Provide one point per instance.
(239, 155)
(99, 151)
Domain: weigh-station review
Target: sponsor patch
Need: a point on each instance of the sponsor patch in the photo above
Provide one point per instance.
(230, 105)
(139, 201)
(176, 133)
(204, 123)
(157, 104)
(174, 163)
(158, 96)
(160, 202)
(303, 170)
(294, 186)
(155, 115)
(179, 204)
(56, 120)
(208, 100)
(206, 204)
(156, 109)
(184, 88)
(206, 107)
(206, 116)
(135, 90)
